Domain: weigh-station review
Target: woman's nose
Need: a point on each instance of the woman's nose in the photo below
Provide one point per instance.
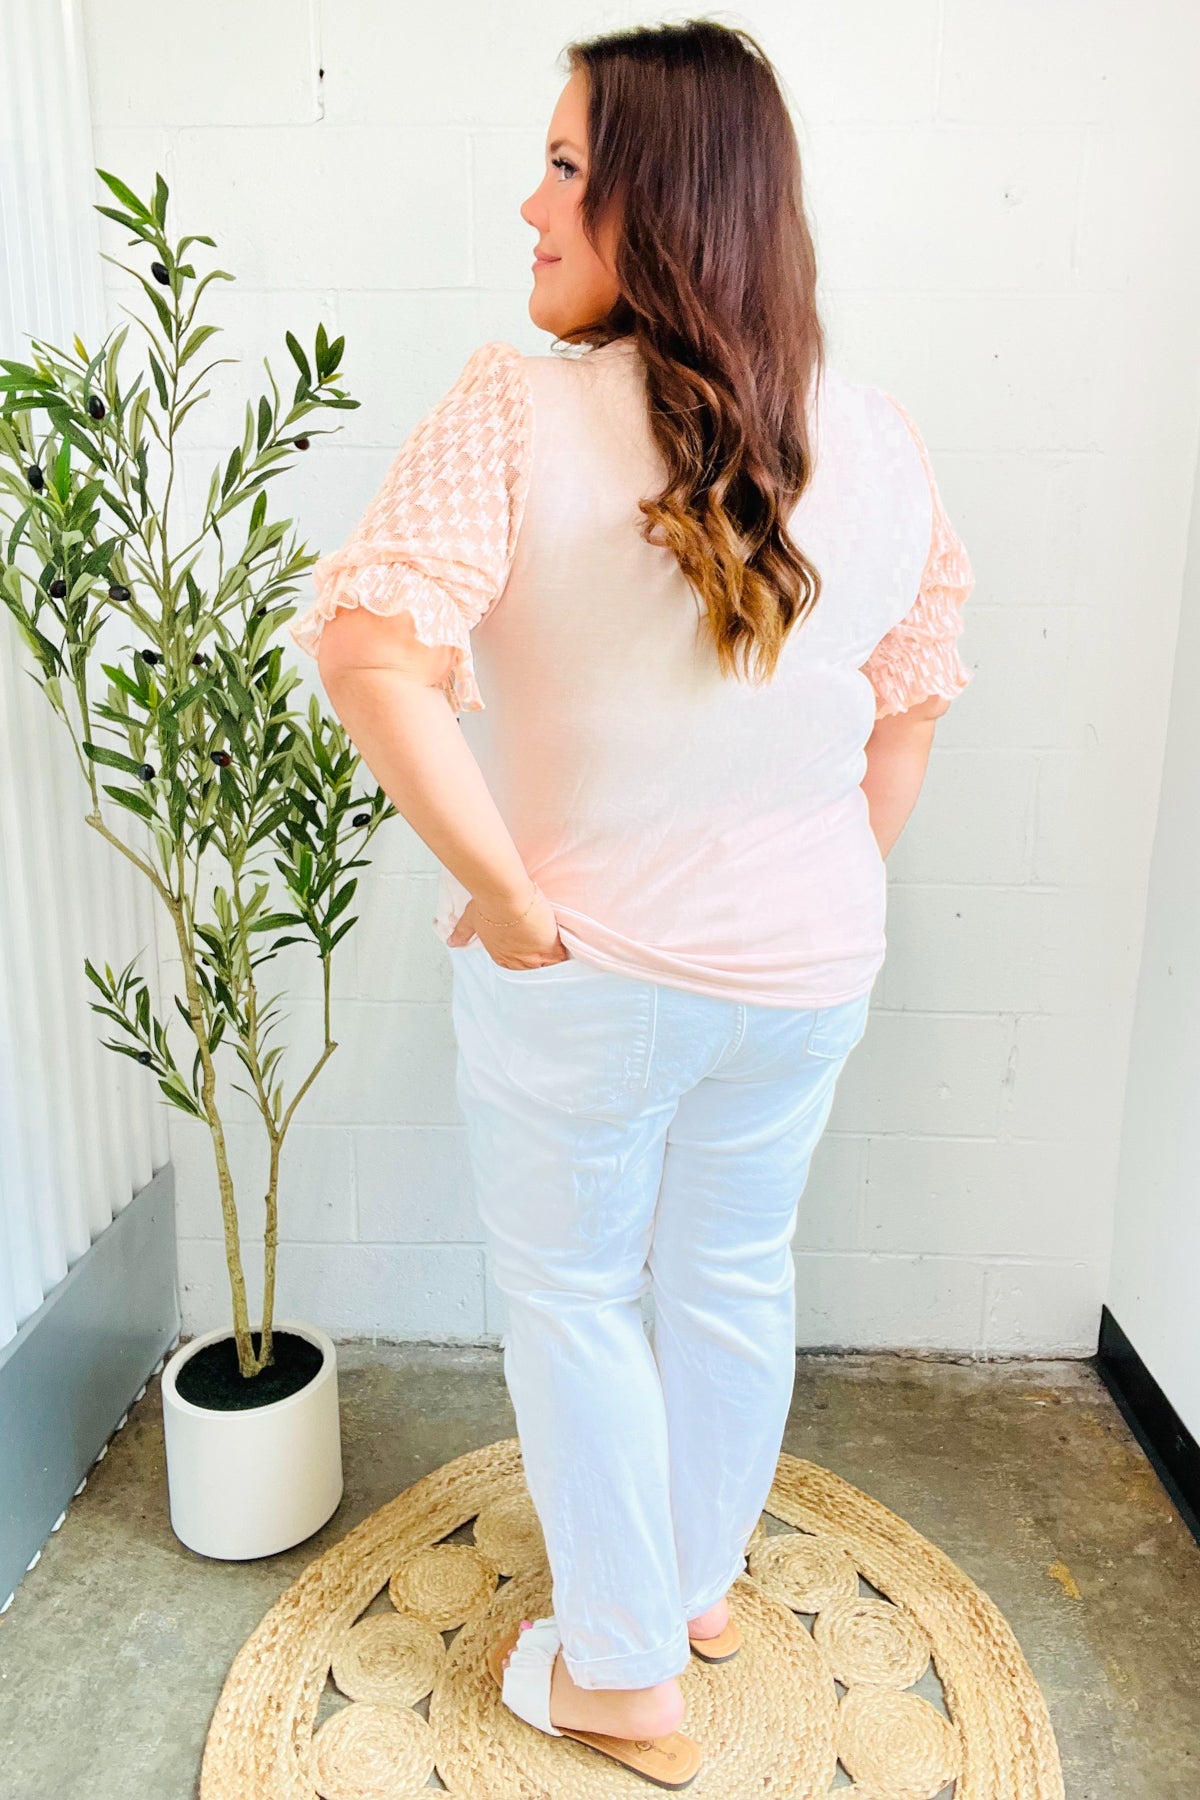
(532, 212)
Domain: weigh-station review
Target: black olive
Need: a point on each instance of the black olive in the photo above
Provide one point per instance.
(146, 772)
(301, 443)
(361, 819)
(199, 659)
(36, 479)
(58, 588)
(117, 592)
(144, 1056)
(160, 273)
(221, 757)
(95, 406)
(260, 612)
(151, 656)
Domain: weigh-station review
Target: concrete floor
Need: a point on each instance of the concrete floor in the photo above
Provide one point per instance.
(117, 1643)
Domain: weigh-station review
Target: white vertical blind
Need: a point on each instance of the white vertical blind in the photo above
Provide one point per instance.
(81, 1129)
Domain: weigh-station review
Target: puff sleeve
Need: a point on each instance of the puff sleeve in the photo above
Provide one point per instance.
(438, 538)
(919, 656)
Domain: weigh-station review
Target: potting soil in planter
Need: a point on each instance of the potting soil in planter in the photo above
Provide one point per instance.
(211, 1379)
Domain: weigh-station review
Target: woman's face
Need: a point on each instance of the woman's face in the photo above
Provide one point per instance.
(572, 284)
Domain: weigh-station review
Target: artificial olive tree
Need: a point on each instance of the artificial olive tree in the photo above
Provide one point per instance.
(193, 734)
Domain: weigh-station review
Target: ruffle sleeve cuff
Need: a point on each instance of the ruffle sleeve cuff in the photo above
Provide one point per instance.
(384, 585)
(919, 656)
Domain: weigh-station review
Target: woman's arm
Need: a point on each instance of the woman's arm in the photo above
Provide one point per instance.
(395, 607)
(897, 755)
(916, 670)
(381, 681)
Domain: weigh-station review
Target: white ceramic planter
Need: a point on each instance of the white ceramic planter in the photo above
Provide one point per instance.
(247, 1484)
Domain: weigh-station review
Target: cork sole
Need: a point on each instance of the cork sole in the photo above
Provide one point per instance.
(721, 1648)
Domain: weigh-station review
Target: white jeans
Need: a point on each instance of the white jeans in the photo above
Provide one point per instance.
(622, 1133)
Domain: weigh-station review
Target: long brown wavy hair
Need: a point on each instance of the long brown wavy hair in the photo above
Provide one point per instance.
(692, 151)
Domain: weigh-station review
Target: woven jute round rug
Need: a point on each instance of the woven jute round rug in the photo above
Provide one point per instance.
(870, 1666)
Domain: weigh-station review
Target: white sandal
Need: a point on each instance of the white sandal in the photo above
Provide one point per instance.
(672, 1761)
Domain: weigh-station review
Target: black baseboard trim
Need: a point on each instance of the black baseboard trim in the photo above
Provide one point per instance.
(1173, 1452)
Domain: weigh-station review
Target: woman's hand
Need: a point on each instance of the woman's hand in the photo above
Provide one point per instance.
(530, 944)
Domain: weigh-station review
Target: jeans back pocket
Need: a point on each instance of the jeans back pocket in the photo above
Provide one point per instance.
(837, 1029)
(575, 1036)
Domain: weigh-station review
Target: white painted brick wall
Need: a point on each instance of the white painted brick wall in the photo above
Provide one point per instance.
(1007, 240)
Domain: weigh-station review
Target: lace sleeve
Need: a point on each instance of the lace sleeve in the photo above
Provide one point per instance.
(919, 656)
(438, 538)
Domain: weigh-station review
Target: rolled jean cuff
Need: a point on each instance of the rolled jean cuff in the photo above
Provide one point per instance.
(633, 1668)
(739, 1568)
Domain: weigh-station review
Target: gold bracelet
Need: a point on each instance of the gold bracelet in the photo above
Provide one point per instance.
(536, 891)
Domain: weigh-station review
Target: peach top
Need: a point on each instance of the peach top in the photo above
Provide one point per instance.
(685, 826)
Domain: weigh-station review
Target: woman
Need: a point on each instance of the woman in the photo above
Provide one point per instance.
(693, 601)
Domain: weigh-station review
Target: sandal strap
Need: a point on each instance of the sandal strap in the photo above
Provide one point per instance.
(526, 1686)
